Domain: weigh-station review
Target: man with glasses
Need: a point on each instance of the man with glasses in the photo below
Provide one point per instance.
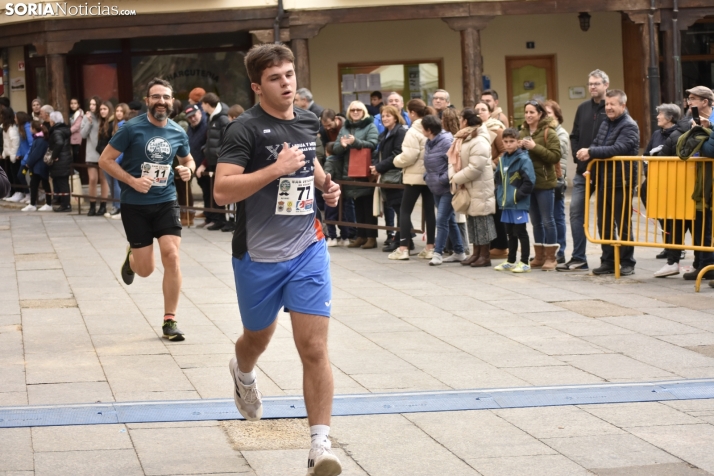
(149, 207)
(396, 100)
(440, 101)
(588, 118)
(702, 98)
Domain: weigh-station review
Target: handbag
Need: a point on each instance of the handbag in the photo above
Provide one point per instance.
(392, 176)
(360, 160)
(461, 201)
(47, 159)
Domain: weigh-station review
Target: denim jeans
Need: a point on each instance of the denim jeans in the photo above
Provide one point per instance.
(446, 225)
(577, 218)
(389, 214)
(542, 217)
(561, 229)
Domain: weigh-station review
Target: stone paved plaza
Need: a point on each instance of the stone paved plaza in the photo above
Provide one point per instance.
(72, 332)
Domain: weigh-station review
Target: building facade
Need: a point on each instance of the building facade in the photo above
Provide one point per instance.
(345, 49)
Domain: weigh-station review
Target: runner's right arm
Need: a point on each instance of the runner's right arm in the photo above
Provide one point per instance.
(107, 162)
(233, 186)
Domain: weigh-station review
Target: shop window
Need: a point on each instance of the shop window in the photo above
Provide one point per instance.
(698, 54)
(414, 80)
(221, 72)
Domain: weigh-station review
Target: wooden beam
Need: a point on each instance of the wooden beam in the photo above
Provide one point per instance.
(56, 64)
(302, 62)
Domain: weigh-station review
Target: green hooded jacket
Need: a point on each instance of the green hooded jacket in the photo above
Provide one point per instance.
(544, 155)
(366, 136)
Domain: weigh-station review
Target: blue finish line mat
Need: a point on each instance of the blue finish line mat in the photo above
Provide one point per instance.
(357, 404)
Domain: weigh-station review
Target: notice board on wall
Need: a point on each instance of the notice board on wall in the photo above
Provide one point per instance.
(413, 79)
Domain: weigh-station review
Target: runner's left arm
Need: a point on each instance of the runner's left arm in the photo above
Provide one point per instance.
(330, 190)
(186, 167)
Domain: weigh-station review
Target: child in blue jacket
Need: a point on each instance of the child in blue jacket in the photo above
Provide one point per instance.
(515, 179)
(37, 169)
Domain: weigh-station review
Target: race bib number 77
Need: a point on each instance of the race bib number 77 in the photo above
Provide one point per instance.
(295, 196)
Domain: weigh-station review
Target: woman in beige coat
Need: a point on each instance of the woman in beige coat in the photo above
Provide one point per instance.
(471, 169)
(411, 161)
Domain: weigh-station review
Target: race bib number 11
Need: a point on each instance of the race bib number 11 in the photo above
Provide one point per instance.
(159, 172)
(295, 196)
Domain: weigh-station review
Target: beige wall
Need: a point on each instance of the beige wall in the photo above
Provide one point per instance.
(577, 52)
(382, 41)
(18, 99)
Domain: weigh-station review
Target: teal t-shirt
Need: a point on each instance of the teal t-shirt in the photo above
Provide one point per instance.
(150, 149)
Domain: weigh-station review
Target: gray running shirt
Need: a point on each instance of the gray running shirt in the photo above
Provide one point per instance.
(253, 141)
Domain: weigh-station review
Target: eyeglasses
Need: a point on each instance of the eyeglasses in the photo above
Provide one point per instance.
(156, 97)
(356, 110)
(594, 84)
(693, 98)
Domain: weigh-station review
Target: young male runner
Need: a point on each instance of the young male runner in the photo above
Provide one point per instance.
(148, 193)
(267, 165)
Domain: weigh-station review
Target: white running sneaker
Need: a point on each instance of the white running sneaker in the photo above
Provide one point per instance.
(521, 267)
(45, 208)
(426, 253)
(667, 270)
(455, 258)
(399, 254)
(436, 259)
(29, 208)
(16, 197)
(332, 242)
(323, 462)
(247, 397)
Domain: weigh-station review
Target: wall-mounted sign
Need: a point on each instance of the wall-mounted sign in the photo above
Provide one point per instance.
(17, 84)
(21, 66)
(576, 92)
(530, 45)
(528, 85)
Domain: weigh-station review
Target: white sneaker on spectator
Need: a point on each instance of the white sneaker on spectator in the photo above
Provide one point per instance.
(116, 216)
(16, 197)
(436, 259)
(455, 258)
(667, 270)
(45, 208)
(399, 254)
(29, 208)
(332, 242)
(25, 199)
(343, 242)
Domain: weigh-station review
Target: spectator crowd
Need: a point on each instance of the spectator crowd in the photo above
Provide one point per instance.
(480, 179)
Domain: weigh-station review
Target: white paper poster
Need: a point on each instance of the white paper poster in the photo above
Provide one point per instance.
(362, 81)
(375, 82)
(363, 97)
(348, 82)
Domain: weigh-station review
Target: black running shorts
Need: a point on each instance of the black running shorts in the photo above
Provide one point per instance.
(143, 223)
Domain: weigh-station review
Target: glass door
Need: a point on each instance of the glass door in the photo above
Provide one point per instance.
(529, 77)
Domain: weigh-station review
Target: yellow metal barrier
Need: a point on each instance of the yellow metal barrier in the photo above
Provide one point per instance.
(652, 202)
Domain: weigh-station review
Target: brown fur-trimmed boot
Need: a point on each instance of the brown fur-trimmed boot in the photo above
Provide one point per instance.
(539, 256)
(550, 259)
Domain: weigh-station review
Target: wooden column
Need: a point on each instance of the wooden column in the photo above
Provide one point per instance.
(55, 54)
(471, 58)
(298, 39)
(302, 62)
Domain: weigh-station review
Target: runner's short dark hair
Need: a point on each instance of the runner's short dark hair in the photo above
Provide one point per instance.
(152, 83)
(262, 57)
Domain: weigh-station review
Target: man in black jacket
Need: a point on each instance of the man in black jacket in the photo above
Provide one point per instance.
(588, 118)
(618, 136)
(217, 121)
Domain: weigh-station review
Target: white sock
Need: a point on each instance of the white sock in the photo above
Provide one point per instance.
(319, 434)
(246, 378)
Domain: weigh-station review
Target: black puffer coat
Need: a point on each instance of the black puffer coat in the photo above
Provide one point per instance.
(61, 150)
(619, 137)
(214, 136)
(383, 160)
(669, 149)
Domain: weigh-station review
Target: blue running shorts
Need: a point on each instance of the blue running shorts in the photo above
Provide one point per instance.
(302, 284)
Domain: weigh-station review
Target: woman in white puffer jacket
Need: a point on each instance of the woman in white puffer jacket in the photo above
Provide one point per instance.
(10, 146)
